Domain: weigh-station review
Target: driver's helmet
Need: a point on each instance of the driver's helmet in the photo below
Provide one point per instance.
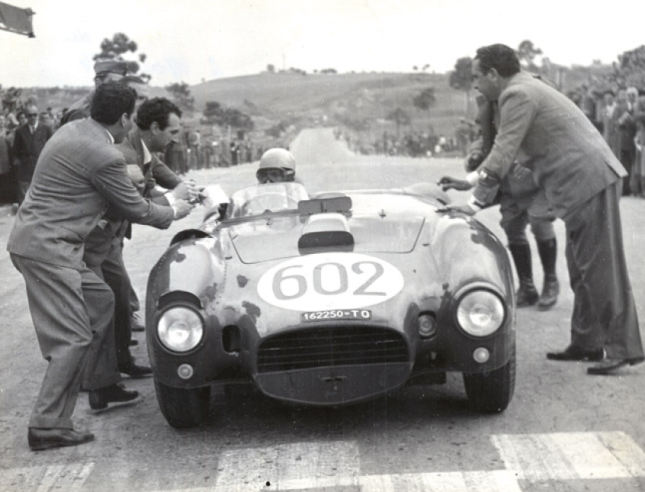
(276, 166)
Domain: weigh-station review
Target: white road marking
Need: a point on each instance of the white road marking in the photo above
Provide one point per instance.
(492, 481)
(575, 455)
(46, 478)
(289, 462)
(317, 465)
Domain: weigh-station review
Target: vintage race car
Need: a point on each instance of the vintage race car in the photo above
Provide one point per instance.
(330, 300)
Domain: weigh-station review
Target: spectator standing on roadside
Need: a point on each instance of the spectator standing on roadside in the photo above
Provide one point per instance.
(638, 181)
(582, 180)
(7, 184)
(79, 174)
(627, 133)
(28, 143)
(610, 132)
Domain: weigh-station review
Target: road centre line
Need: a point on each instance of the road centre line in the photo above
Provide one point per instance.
(571, 455)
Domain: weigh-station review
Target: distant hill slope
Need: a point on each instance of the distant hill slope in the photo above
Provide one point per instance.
(364, 96)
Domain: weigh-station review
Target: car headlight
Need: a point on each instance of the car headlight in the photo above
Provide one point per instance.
(180, 329)
(480, 313)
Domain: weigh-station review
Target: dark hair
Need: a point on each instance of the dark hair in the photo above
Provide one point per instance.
(110, 101)
(500, 57)
(156, 109)
(609, 91)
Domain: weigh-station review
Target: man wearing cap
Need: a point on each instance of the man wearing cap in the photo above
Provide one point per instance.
(105, 71)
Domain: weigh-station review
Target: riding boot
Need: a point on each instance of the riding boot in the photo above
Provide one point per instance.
(527, 294)
(548, 253)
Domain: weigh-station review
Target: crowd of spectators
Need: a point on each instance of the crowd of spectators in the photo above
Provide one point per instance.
(618, 112)
(409, 143)
(195, 149)
(198, 147)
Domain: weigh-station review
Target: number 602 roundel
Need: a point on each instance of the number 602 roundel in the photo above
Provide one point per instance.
(330, 281)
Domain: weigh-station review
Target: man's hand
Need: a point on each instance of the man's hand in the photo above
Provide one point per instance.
(182, 208)
(464, 208)
(186, 190)
(450, 183)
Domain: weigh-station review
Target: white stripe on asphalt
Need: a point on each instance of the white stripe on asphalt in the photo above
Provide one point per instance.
(302, 466)
(574, 455)
(46, 478)
(492, 481)
(287, 462)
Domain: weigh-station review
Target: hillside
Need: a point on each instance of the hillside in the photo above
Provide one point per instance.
(315, 98)
(361, 100)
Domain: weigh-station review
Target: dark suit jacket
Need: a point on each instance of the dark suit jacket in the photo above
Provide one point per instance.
(79, 173)
(155, 172)
(545, 130)
(110, 232)
(27, 148)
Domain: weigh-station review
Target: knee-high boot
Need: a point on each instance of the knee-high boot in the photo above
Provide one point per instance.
(527, 294)
(548, 253)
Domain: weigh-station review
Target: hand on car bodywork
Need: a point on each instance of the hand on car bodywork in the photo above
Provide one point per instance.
(182, 208)
(464, 208)
(449, 183)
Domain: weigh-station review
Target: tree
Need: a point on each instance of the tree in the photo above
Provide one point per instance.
(180, 93)
(527, 52)
(400, 118)
(462, 78)
(216, 114)
(631, 65)
(10, 99)
(119, 45)
(425, 99)
(271, 68)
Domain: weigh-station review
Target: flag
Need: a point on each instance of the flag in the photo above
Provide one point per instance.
(17, 20)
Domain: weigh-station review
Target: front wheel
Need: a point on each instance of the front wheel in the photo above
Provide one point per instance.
(181, 407)
(491, 392)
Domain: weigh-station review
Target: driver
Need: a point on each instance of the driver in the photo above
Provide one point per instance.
(276, 166)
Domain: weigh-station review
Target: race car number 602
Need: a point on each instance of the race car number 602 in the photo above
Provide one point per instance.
(330, 281)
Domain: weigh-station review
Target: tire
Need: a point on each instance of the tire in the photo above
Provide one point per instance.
(491, 392)
(183, 408)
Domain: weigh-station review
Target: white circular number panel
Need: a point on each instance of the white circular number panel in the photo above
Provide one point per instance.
(330, 281)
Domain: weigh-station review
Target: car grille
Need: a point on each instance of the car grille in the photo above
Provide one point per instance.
(324, 347)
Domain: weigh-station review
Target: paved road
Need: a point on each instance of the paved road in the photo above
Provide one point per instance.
(564, 430)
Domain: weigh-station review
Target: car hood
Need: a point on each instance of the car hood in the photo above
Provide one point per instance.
(276, 238)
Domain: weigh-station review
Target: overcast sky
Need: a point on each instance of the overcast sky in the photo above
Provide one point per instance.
(196, 40)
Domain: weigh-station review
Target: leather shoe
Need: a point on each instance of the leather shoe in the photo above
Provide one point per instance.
(41, 439)
(116, 393)
(575, 353)
(609, 366)
(136, 324)
(136, 372)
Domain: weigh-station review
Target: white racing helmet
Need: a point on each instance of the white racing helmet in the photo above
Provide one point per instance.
(276, 165)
